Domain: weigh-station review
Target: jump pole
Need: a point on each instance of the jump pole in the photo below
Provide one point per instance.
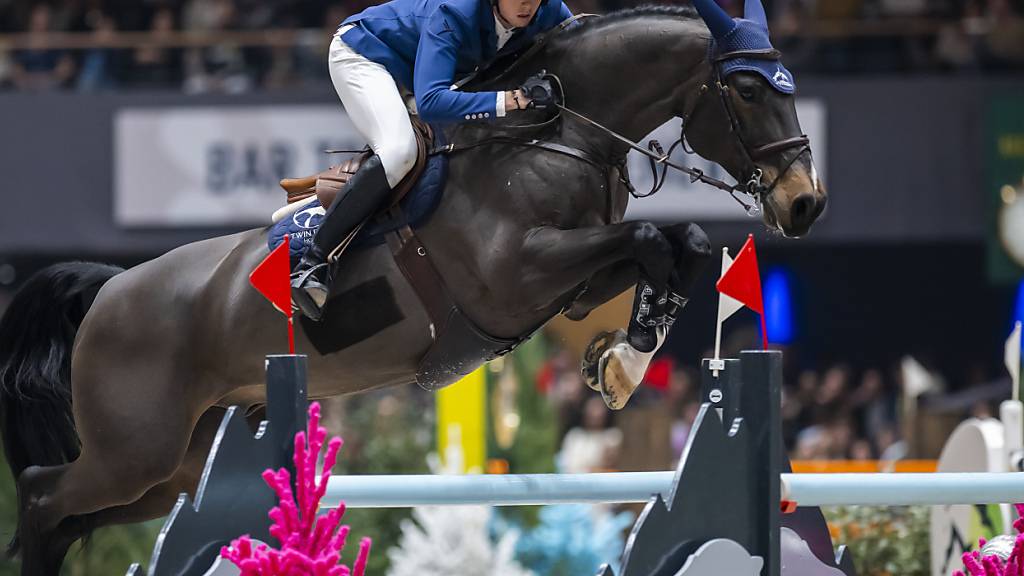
(407, 491)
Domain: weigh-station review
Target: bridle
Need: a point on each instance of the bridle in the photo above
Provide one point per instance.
(753, 185)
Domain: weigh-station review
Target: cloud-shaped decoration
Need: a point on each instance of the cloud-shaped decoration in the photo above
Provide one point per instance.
(797, 557)
(717, 557)
(222, 567)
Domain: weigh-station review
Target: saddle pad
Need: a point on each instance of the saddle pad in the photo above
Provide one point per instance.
(417, 206)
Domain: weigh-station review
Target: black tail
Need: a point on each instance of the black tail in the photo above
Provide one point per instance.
(36, 337)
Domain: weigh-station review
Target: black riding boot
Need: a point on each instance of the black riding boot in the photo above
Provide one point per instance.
(362, 196)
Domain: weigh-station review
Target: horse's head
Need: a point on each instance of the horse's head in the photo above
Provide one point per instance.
(749, 97)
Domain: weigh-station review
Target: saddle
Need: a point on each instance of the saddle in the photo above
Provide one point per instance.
(326, 185)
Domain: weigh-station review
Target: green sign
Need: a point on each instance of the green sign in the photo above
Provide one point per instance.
(1006, 190)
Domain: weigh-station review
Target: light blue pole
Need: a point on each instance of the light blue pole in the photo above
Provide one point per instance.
(906, 489)
(538, 489)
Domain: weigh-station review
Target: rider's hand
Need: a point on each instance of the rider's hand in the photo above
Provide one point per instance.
(516, 100)
(540, 92)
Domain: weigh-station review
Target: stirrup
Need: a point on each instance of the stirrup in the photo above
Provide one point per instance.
(309, 293)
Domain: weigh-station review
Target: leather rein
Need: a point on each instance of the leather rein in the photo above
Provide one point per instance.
(753, 187)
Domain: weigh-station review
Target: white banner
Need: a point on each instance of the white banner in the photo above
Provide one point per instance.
(189, 166)
(217, 166)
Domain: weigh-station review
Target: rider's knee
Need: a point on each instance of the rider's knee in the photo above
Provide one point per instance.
(398, 157)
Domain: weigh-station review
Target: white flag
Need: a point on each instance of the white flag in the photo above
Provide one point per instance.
(727, 305)
(917, 380)
(1012, 358)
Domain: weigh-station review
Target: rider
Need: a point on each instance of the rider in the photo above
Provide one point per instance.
(419, 45)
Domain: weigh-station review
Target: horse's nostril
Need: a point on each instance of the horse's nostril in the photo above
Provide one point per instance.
(802, 209)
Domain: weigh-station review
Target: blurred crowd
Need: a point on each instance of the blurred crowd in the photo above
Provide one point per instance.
(834, 36)
(835, 414)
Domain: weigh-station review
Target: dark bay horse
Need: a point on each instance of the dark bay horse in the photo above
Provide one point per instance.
(113, 381)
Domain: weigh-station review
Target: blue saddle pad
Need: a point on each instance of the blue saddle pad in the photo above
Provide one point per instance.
(417, 206)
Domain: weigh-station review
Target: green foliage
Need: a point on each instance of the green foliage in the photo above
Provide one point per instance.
(884, 541)
(536, 442)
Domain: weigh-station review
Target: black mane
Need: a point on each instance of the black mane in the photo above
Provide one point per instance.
(681, 11)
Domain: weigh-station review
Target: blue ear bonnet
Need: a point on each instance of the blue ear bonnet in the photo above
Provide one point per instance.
(749, 35)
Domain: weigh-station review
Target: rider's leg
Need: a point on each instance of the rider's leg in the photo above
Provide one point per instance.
(378, 112)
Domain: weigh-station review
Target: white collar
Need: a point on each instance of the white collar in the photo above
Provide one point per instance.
(502, 32)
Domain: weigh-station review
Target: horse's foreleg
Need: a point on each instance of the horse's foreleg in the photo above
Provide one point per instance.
(614, 364)
(560, 261)
(602, 287)
(606, 260)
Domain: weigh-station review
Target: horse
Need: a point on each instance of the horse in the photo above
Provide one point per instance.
(113, 382)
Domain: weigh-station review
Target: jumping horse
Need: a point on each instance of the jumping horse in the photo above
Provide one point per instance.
(112, 382)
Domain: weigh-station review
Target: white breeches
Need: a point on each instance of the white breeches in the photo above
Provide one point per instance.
(376, 107)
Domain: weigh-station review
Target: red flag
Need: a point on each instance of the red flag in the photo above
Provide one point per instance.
(742, 281)
(272, 279)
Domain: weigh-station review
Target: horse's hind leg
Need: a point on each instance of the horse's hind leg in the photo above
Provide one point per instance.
(156, 502)
(134, 436)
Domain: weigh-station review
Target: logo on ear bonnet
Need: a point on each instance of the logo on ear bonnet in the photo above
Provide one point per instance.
(782, 79)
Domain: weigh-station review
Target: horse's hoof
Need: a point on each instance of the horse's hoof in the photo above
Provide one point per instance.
(597, 347)
(615, 384)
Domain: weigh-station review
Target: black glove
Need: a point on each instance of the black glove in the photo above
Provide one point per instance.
(540, 91)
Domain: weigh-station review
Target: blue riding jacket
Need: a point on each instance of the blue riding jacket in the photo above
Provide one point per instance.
(426, 44)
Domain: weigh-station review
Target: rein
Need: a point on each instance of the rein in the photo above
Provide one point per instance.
(753, 187)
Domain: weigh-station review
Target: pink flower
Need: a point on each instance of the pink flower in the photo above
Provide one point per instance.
(311, 545)
(992, 565)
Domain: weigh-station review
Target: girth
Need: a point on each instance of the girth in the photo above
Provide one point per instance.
(458, 346)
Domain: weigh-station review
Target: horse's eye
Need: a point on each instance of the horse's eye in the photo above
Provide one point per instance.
(747, 93)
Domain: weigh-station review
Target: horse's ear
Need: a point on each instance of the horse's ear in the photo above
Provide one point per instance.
(715, 17)
(754, 10)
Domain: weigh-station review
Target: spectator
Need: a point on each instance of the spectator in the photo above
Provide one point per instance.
(101, 67)
(862, 450)
(219, 68)
(593, 446)
(5, 69)
(681, 427)
(811, 444)
(39, 68)
(955, 45)
(874, 406)
(829, 399)
(1005, 42)
(154, 67)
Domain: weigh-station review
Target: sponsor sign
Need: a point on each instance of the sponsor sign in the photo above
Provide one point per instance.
(220, 166)
(188, 166)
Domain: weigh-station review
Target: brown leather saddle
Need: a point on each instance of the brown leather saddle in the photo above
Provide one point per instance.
(328, 184)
